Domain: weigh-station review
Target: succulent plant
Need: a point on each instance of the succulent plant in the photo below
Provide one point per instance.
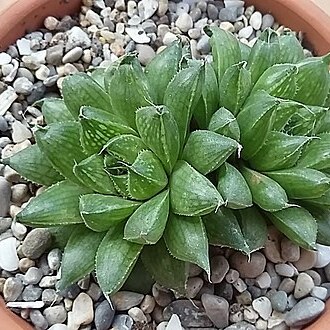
(155, 164)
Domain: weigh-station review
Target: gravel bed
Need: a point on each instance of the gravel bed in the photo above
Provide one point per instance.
(282, 287)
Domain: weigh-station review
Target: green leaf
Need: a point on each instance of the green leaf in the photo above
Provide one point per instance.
(225, 50)
(266, 193)
(191, 193)
(57, 205)
(297, 224)
(235, 87)
(55, 111)
(245, 51)
(209, 100)
(92, 174)
(317, 153)
(224, 229)
(279, 80)
(223, 122)
(182, 101)
(255, 121)
(233, 187)
(147, 224)
(61, 145)
(125, 147)
(320, 202)
(115, 260)
(301, 183)
(317, 92)
(34, 166)
(264, 54)
(98, 127)
(167, 62)
(98, 74)
(176, 274)
(120, 182)
(79, 256)
(186, 239)
(159, 131)
(206, 150)
(133, 92)
(291, 49)
(322, 218)
(79, 90)
(146, 176)
(101, 212)
(280, 151)
(61, 234)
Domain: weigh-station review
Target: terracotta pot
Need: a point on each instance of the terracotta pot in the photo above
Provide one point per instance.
(312, 17)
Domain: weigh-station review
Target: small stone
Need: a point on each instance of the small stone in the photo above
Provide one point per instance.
(228, 14)
(232, 275)
(191, 315)
(24, 46)
(48, 282)
(315, 276)
(51, 23)
(284, 270)
(94, 292)
(4, 58)
(32, 276)
(240, 285)
(12, 289)
(174, 323)
(248, 268)
(263, 281)
(54, 258)
(82, 311)
(145, 53)
(241, 326)
(323, 256)
(194, 33)
(93, 18)
(263, 306)
(7, 98)
(104, 315)
(279, 301)
(319, 292)
(55, 314)
(71, 292)
(304, 312)
(5, 193)
(250, 314)
(256, 20)
(162, 296)
(3, 124)
(147, 8)
(148, 304)
(122, 322)
(8, 254)
(38, 320)
(203, 45)
(219, 268)
(20, 132)
(304, 285)
(212, 12)
(289, 250)
(5, 223)
(42, 73)
(169, 37)
(23, 86)
(227, 26)
(162, 7)
(261, 324)
(54, 54)
(138, 35)
(124, 300)
(184, 22)
(267, 21)
(49, 296)
(35, 60)
(246, 32)
(58, 326)
(120, 5)
(195, 14)
(20, 194)
(217, 309)
(223, 289)
(24, 264)
(137, 315)
(244, 298)
(306, 261)
(36, 242)
(181, 8)
(31, 293)
(194, 285)
(77, 38)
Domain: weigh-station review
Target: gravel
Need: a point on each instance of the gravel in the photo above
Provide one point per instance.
(273, 289)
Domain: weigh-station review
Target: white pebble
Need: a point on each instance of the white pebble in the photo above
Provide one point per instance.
(245, 32)
(256, 20)
(323, 256)
(20, 132)
(184, 22)
(263, 306)
(147, 8)
(7, 98)
(94, 18)
(4, 58)
(8, 254)
(42, 73)
(26, 304)
(24, 46)
(138, 35)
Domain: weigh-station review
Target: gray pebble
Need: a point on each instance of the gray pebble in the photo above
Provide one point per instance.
(94, 18)
(244, 298)
(217, 309)
(279, 301)
(73, 55)
(255, 291)
(54, 258)
(203, 45)
(19, 195)
(104, 315)
(23, 86)
(36, 242)
(317, 279)
(228, 14)
(184, 22)
(24, 72)
(195, 14)
(3, 124)
(246, 32)
(5, 193)
(182, 7)
(263, 281)
(34, 60)
(304, 285)
(5, 223)
(42, 73)
(77, 38)
(284, 270)
(54, 54)
(194, 284)
(71, 292)
(319, 292)
(145, 53)
(12, 289)
(122, 322)
(219, 268)
(124, 300)
(241, 326)
(32, 276)
(20, 132)
(248, 268)
(263, 306)
(94, 291)
(304, 312)
(55, 314)
(38, 319)
(49, 296)
(212, 12)
(267, 21)
(31, 293)
(224, 290)
(162, 296)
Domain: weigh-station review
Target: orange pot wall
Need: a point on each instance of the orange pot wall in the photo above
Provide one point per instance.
(302, 15)
(20, 16)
